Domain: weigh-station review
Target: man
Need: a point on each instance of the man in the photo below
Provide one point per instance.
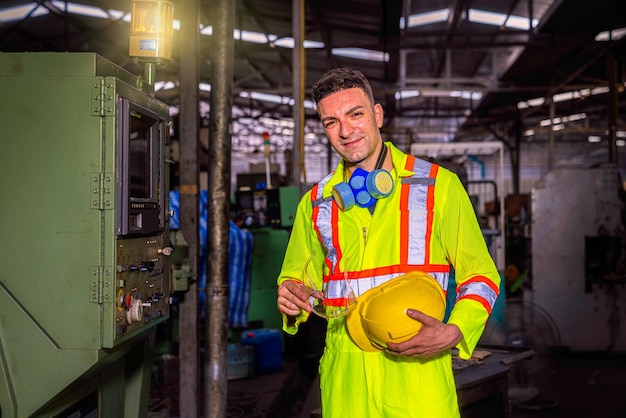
(425, 223)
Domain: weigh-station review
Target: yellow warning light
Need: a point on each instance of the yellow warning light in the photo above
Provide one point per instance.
(151, 30)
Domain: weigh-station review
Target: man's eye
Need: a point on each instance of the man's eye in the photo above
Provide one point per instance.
(329, 124)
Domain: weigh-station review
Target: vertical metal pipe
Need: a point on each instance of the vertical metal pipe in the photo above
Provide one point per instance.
(188, 352)
(218, 208)
(613, 107)
(149, 72)
(299, 68)
(551, 135)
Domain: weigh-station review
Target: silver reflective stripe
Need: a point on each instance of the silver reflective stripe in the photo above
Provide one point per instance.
(477, 288)
(324, 220)
(442, 279)
(334, 288)
(418, 198)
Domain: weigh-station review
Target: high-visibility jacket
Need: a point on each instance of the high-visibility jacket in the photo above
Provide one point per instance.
(427, 223)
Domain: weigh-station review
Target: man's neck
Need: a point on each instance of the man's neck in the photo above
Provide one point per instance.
(370, 164)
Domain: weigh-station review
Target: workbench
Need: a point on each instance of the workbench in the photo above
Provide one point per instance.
(482, 386)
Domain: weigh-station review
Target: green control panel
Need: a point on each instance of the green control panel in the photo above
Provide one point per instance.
(84, 271)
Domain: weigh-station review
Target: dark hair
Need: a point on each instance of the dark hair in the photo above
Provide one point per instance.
(339, 79)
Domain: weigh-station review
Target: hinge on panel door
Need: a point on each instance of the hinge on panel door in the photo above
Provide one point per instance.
(103, 94)
(102, 191)
(100, 284)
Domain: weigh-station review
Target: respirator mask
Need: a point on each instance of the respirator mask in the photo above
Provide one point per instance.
(364, 188)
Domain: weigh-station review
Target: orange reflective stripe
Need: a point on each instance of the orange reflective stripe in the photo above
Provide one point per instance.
(478, 299)
(404, 214)
(315, 212)
(430, 204)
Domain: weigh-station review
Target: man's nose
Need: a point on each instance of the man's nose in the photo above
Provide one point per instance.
(345, 129)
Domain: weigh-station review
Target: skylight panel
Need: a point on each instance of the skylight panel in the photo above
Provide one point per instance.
(561, 97)
(283, 123)
(488, 18)
(164, 85)
(531, 103)
(273, 98)
(266, 97)
(422, 19)
(518, 22)
(611, 35)
(288, 42)
(499, 19)
(11, 14)
(468, 95)
(462, 94)
(362, 54)
(563, 119)
(253, 37)
(81, 9)
(117, 15)
(406, 94)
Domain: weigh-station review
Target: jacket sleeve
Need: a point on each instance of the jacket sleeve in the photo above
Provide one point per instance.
(303, 243)
(477, 278)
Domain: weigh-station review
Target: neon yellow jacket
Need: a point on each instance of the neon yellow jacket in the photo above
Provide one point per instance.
(366, 384)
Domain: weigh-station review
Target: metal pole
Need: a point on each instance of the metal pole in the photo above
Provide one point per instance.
(188, 352)
(149, 73)
(218, 208)
(551, 135)
(611, 64)
(299, 68)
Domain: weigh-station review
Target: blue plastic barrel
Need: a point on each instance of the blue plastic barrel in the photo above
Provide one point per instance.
(268, 348)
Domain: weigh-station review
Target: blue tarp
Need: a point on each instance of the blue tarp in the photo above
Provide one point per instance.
(239, 263)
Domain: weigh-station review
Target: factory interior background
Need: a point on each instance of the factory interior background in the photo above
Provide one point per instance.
(150, 177)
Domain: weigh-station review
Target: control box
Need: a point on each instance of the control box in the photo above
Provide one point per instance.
(84, 271)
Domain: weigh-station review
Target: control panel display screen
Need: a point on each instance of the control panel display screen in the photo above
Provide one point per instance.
(139, 144)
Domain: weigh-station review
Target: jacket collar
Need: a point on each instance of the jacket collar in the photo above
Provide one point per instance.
(398, 158)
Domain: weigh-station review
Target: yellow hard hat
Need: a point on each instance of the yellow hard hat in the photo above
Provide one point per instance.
(380, 316)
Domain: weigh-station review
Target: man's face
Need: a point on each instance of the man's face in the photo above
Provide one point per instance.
(352, 125)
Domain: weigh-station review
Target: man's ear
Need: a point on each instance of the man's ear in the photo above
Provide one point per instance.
(379, 114)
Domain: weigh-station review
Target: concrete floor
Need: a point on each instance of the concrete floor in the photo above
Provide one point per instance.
(589, 385)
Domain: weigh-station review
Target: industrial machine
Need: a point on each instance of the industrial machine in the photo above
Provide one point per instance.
(268, 214)
(84, 272)
(578, 253)
(479, 166)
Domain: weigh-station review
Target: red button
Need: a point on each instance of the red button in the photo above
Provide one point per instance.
(127, 299)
